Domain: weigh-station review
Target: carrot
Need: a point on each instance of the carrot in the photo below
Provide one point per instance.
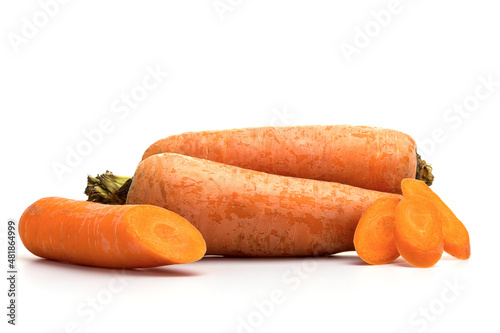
(418, 232)
(374, 236)
(455, 235)
(367, 157)
(243, 212)
(94, 234)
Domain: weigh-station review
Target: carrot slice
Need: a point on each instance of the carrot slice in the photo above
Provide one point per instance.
(419, 231)
(374, 236)
(455, 235)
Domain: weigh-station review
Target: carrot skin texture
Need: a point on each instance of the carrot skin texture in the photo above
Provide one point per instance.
(243, 212)
(93, 234)
(374, 236)
(362, 156)
(455, 235)
(418, 231)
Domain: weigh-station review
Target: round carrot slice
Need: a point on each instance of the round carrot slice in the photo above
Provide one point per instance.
(455, 235)
(374, 235)
(419, 231)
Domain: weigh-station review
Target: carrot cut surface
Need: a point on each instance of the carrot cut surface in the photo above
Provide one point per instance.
(93, 234)
(455, 235)
(374, 236)
(418, 231)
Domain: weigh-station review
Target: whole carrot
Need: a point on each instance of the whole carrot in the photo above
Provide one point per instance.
(367, 157)
(243, 212)
(94, 234)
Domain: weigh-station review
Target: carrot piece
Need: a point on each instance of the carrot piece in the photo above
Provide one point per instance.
(455, 235)
(374, 235)
(362, 156)
(419, 232)
(242, 212)
(95, 234)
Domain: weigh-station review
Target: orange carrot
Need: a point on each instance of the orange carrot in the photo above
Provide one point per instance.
(418, 231)
(243, 212)
(94, 234)
(455, 235)
(374, 236)
(367, 157)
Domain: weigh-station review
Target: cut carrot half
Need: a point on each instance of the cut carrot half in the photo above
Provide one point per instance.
(93, 234)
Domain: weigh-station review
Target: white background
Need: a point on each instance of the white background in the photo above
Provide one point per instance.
(258, 63)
